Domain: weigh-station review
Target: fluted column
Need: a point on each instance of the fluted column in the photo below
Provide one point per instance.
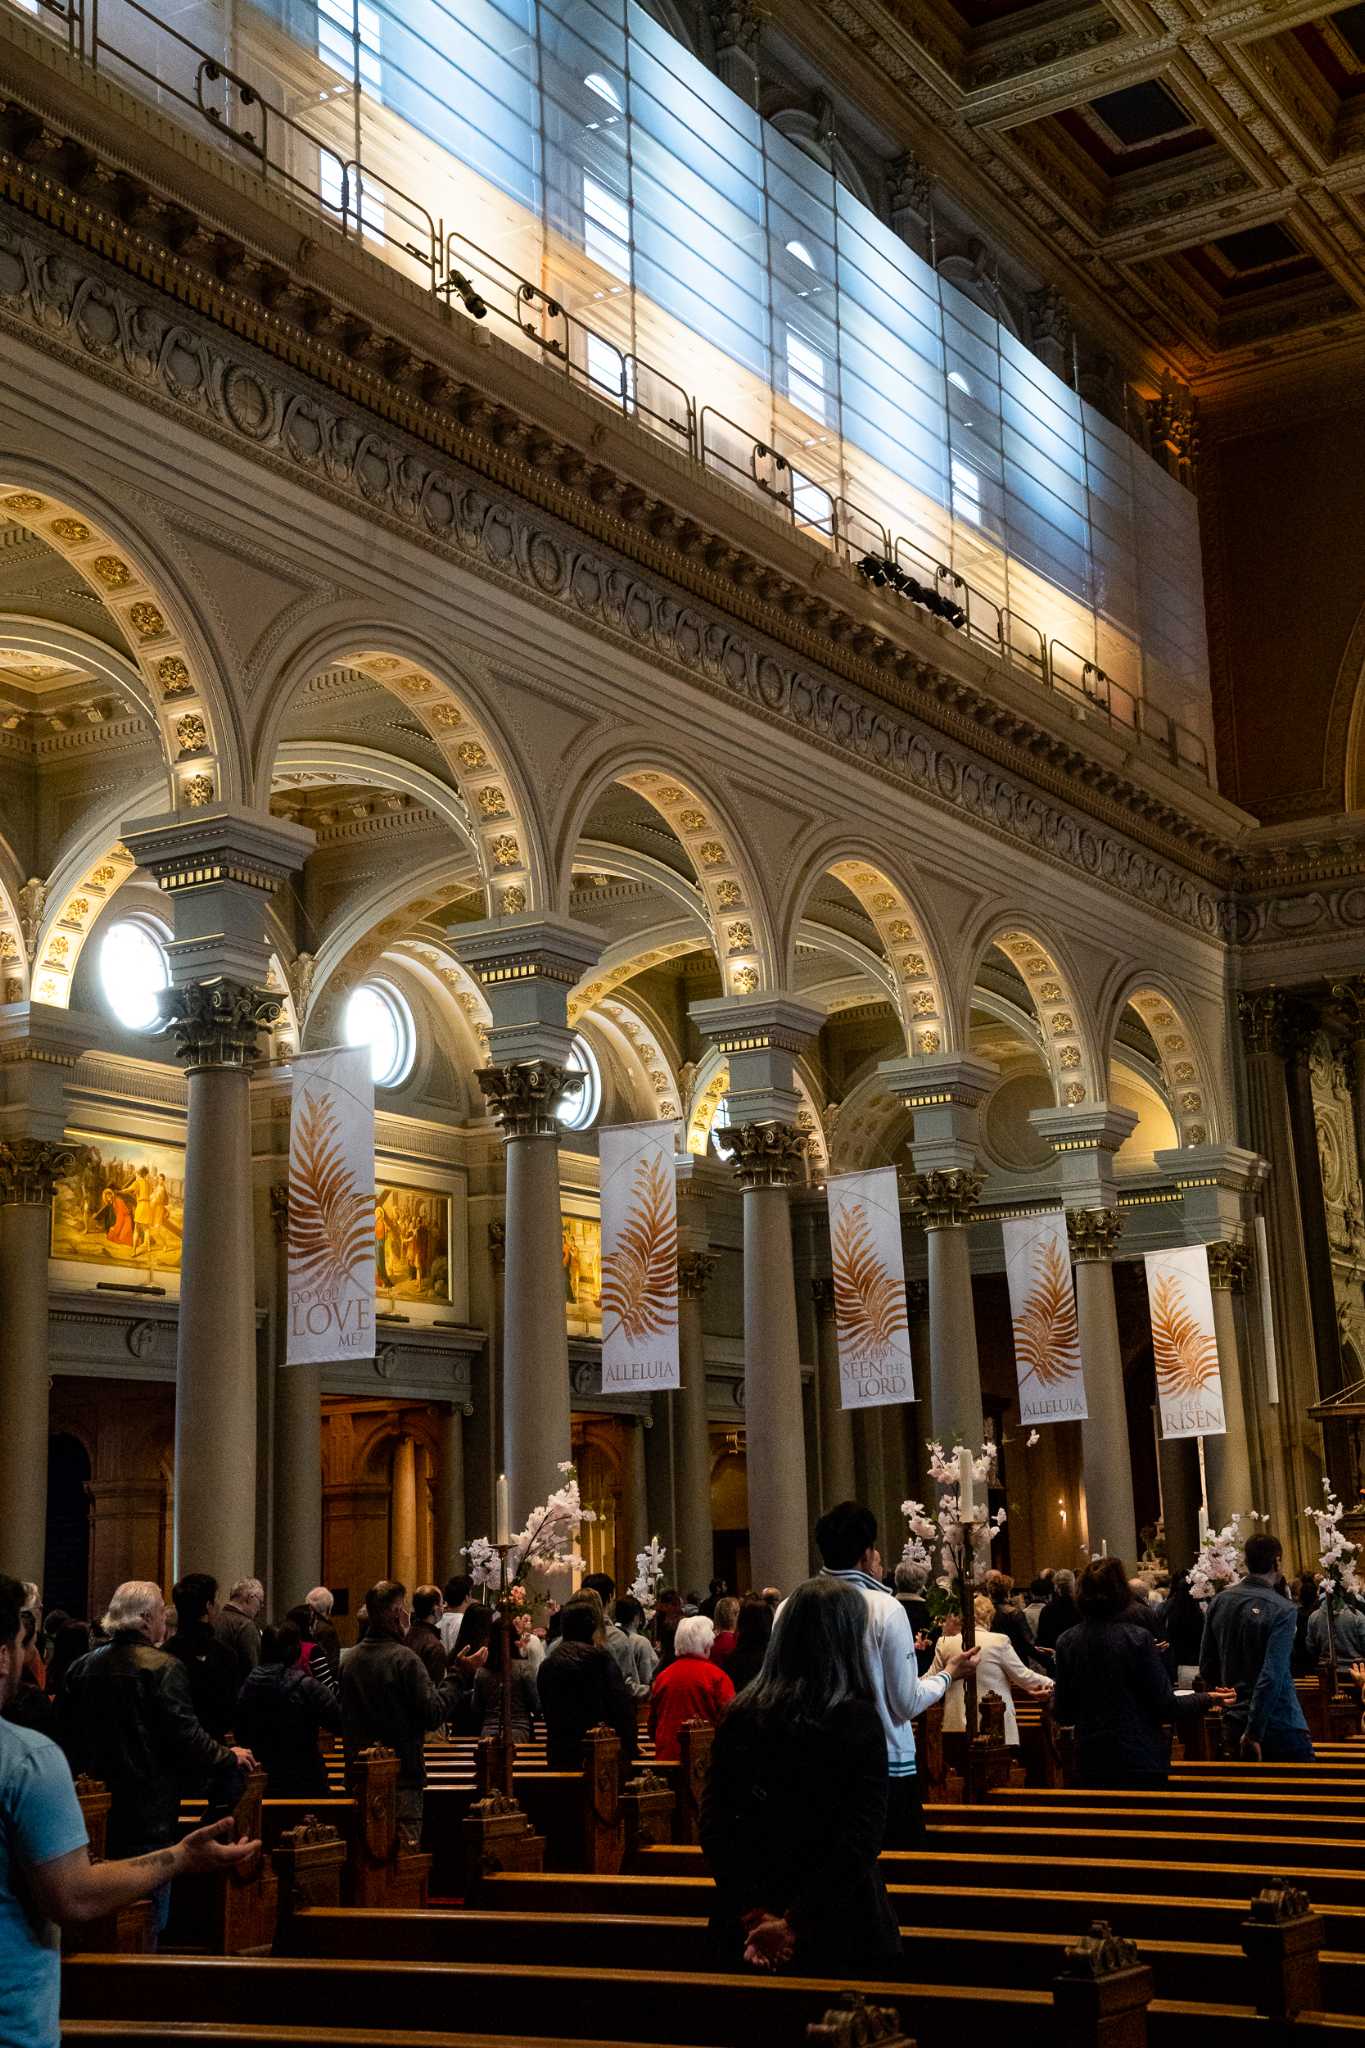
(1105, 1453)
(692, 1442)
(769, 1159)
(298, 1441)
(635, 1506)
(29, 1171)
(403, 1545)
(1227, 1458)
(219, 866)
(448, 1493)
(943, 1202)
(837, 1470)
(526, 967)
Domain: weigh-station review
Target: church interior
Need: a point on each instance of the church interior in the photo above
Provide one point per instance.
(790, 567)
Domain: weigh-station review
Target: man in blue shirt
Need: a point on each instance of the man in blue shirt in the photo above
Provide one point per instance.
(46, 1875)
(1247, 1646)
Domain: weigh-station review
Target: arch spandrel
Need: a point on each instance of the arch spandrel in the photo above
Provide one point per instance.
(1059, 1003)
(1191, 1087)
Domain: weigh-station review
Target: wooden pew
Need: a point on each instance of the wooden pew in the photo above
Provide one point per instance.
(130, 1930)
(1170, 1838)
(229, 1912)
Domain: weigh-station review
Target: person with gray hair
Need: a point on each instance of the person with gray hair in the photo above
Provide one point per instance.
(324, 1631)
(127, 1718)
(691, 1688)
(235, 1625)
(911, 1580)
(1060, 1614)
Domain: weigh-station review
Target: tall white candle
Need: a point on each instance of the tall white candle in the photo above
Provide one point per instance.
(1104, 1546)
(502, 1514)
(966, 1481)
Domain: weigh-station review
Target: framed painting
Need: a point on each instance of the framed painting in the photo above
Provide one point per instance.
(412, 1250)
(583, 1274)
(122, 1207)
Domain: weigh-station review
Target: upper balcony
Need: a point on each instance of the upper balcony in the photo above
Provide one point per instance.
(588, 208)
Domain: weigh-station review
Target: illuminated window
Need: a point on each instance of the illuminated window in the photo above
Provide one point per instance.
(955, 377)
(801, 253)
(605, 90)
(719, 1122)
(966, 492)
(579, 1110)
(606, 227)
(348, 36)
(806, 376)
(379, 1017)
(133, 972)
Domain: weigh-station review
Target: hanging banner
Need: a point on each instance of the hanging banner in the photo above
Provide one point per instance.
(1184, 1342)
(639, 1257)
(869, 1289)
(1047, 1337)
(331, 1207)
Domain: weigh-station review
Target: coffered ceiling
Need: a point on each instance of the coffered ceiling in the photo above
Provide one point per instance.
(1190, 171)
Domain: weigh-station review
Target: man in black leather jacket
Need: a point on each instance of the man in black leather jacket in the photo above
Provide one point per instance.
(127, 1718)
(387, 1696)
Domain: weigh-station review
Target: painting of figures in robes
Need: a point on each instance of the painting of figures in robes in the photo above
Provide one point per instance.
(411, 1244)
(582, 1237)
(121, 1205)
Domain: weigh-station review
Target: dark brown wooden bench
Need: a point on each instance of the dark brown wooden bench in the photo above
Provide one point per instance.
(127, 1932)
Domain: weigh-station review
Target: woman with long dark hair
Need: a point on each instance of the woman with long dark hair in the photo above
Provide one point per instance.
(753, 1632)
(796, 1806)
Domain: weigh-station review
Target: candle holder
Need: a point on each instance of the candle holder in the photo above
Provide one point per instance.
(507, 1749)
(965, 1576)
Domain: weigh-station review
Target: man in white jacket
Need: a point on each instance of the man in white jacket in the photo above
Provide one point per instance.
(846, 1539)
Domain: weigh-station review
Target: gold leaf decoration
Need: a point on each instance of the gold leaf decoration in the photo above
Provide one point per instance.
(330, 1222)
(1047, 1341)
(640, 1275)
(869, 1303)
(1186, 1354)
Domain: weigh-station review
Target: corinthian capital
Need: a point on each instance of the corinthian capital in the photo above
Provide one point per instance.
(1093, 1233)
(767, 1155)
(945, 1198)
(525, 1097)
(694, 1273)
(1263, 1016)
(218, 1023)
(30, 1169)
(1229, 1264)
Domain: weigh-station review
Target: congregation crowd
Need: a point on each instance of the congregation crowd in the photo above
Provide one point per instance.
(814, 1699)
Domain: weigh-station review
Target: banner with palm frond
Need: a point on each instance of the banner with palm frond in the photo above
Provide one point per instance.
(639, 1257)
(331, 1208)
(869, 1289)
(1047, 1337)
(1185, 1342)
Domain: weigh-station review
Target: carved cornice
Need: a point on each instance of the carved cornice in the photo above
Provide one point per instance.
(525, 1097)
(1093, 1234)
(30, 1169)
(1053, 797)
(694, 1274)
(767, 1155)
(944, 1199)
(1229, 1265)
(217, 1024)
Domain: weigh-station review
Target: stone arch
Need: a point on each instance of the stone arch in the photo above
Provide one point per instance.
(170, 650)
(718, 852)
(87, 874)
(709, 1087)
(1069, 1037)
(919, 987)
(1191, 1088)
(862, 1131)
(374, 922)
(621, 963)
(500, 817)
(14, 967)
(640, 1046)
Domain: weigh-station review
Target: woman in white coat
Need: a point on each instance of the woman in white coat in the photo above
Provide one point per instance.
(1000, 1667)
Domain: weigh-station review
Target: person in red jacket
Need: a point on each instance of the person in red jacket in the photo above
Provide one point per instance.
(691, 1688)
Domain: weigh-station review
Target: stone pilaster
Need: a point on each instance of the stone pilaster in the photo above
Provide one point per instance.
(837, 1470)
(297, 1561)
(1105, 1452)
(943, 1203)
(29, 1171)
(692, 1438)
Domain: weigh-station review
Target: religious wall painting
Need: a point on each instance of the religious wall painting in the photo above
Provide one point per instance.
(582, 1255)
(412, 1248)
(121, 1205)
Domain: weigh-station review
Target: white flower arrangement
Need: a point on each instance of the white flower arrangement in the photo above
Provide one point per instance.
(547, 1544)
(946, 1527)
(649, 1571)
(1219, 1560)
(1336, 1555)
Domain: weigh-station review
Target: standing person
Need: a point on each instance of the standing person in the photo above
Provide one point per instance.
(1009, 1620)
(472, 1653)
(580, 1684)
(1039, 1593)
(235, 1625)
(488, 1690)
(795, 1810)
(282, 1709)
(387, 1696)
(1348, 1629)
(615, 1638)
(1113, 1688)
(1000, 1669)
(668, 1612)
(1181, 1628)
(210, 1665)
(128, 1719)
(46, 1875)
(424, 1634)
(456, 1596)
(630, 1618)
(910, 1581)
(753, 1633)
(1060, 1614)
(846, 1539)
(1248, 1644)
(691, 1689)
(725, 1617)
(324, 1631)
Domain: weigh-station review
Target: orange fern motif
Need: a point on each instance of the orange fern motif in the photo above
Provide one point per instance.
(1186, 1354)
(1047, 1341)
(331, 1238)
(869, 1302)
(640, 1273)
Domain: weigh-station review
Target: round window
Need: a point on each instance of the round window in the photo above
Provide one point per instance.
(378, 1016)
(579, 1110)
(133, 971)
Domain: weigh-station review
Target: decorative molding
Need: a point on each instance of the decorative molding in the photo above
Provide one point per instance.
(1093, 1234)
(1229, 1265)
(766, 1155)
(30, 1169)
(524, 1097)
(694, 1274)
(217, 1024)
(944, 1199)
